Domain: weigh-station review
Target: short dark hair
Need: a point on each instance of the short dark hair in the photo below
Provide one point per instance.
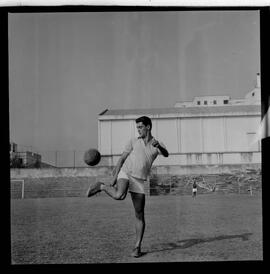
(145, 120)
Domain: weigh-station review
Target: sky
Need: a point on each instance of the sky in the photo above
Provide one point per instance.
(66, 68)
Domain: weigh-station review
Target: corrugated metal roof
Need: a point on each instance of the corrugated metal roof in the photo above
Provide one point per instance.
(185, 110)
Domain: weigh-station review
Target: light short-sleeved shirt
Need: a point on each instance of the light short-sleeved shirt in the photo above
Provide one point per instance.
(139, 162)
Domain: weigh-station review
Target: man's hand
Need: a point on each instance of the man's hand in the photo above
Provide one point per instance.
(118, 166)
(113, 181)
(163, 151)
(155, 143)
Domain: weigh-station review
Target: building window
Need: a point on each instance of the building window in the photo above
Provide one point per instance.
(215, 102)
(205, 102)
(198, 102)
(253, 93)
(225, 102)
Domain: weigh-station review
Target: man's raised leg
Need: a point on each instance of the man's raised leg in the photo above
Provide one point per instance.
(117, 192)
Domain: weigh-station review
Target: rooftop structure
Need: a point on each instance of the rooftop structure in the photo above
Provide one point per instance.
(182, 112)
(252, 97)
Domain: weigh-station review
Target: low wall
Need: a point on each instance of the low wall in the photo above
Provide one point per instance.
(106, 171)
(73, 182)
(202, 169)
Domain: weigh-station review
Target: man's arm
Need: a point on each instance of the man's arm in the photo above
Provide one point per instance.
(162, 149)
(118, 166)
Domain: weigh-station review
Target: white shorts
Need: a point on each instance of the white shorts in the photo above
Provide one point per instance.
(194, 190)
(135, 184)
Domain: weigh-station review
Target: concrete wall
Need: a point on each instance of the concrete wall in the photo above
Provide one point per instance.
(106, 171)
(16, 173)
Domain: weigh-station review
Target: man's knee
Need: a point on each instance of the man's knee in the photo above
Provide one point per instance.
(120, 196)
(139, 215)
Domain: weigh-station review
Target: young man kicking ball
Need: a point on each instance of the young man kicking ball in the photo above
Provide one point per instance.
(131, 172)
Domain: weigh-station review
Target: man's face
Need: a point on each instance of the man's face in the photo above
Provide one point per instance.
(142, 129)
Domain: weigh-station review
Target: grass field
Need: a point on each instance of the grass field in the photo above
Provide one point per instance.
(78, 230)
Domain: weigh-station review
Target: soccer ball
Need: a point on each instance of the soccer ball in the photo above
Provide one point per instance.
(92, 157)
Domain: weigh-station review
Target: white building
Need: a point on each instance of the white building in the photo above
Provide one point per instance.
(218, 132)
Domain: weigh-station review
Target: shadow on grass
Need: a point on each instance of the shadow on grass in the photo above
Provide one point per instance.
(191, 242)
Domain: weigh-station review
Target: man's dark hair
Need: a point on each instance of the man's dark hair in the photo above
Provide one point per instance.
(145, 120)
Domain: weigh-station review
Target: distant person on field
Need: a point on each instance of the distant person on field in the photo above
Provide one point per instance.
(194, 188)
(131, 172)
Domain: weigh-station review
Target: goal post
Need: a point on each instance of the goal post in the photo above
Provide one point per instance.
(17, 188)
